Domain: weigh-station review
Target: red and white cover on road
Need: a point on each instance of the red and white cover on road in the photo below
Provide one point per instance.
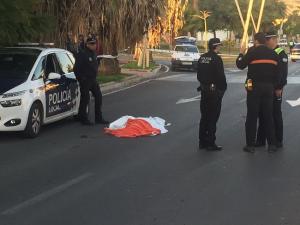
(131, 127)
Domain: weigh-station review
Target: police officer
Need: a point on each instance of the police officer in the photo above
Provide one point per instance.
(262, 63)
(86, 70)
(272, 43)
(212, 86)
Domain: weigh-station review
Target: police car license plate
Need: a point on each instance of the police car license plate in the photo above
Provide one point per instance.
(187, 63)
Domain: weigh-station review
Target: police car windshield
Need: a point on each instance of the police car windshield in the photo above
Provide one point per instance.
(192, 49)
(297, 46)
(17, 63)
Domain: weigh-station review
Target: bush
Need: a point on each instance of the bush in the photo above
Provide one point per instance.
(164, 46)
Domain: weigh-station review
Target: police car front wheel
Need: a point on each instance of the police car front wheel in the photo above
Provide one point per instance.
(34, 121)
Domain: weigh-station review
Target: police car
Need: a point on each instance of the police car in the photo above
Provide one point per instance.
(37, 86)
(295, 52)
(185, 56)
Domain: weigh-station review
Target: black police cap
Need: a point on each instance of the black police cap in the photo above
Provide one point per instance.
(213, 42)
(271, 33)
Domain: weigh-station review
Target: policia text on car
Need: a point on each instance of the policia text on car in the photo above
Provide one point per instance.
(212, 86)
(262, 78)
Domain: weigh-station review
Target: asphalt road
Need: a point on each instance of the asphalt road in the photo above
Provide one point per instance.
(76, 175)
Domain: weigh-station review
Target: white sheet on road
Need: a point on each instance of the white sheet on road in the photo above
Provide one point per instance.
(156, 122)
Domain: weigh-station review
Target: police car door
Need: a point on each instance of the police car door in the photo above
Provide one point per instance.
(71, 84)
(58, 95)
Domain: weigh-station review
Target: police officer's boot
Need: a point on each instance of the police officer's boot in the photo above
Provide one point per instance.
(202, 146)
(249, 149)
(272, 149)
(279, 145)
(102, 121)
(260, 144)
(86, 122)
(214, 148)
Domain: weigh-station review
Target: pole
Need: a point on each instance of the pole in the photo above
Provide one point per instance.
(205, 25)
(260, 14)
(245, 34)
(253, 22)
(240, 13)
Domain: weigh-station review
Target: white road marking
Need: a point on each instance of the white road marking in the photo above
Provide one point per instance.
(231, 70)
(243, 100)
(294, 103)
(46, 195)
(123, 89)
(231, 78)
(172, 77)
(183, 101)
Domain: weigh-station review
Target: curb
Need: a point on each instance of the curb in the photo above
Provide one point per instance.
(130, 81)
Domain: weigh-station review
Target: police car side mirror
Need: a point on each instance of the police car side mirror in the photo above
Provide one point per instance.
(54, 76)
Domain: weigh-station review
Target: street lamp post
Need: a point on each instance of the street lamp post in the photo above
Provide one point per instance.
(204, 15)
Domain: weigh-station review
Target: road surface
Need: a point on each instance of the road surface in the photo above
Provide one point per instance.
(77, 175)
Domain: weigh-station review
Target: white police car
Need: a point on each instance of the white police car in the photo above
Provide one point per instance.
(185, 56)
(37, 86)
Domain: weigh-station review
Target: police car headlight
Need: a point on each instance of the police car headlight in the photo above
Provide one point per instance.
(13, 94)
(11, 103)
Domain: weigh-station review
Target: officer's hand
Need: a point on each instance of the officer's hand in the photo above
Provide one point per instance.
(278, 92)
(243, 49)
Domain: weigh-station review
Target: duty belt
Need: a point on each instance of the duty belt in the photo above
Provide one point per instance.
(208, 87)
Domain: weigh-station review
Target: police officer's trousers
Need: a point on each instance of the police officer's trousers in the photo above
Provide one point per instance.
(86, 86)
(260, 99)
(278, 123)
(210, 107)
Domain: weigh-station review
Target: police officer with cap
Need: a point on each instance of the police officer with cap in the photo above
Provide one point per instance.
(86, 71)
(212, 86)
(272, 43)
(262, 77)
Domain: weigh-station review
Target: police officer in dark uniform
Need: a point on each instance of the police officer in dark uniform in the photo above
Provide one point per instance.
(86, 70)
(272, 43)
(212, 86)
(262, 77)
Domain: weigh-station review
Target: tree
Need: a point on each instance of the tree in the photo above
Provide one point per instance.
(225, 15)
(292, 27)
(21, 21)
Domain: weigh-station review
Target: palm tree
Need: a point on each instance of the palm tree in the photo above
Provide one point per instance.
(119, 23)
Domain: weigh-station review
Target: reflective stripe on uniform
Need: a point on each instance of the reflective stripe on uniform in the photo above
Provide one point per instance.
(264, 61)
(279, 50)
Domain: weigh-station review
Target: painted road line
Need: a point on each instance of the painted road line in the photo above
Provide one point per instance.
(124, 89)
(294, 103)
(187, 100)
(46, 195)
(243, 100)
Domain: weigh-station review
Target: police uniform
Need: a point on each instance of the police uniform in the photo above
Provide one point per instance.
(212, 86)
(86, 70)
(277, 102)
(263, 76)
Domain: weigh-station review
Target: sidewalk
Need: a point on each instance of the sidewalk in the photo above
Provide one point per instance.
(137, 77)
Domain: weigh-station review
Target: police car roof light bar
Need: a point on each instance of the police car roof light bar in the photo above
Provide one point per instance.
(33, 44)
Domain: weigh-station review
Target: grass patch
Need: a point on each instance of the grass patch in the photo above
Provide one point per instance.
(134, 65)
(111, 78)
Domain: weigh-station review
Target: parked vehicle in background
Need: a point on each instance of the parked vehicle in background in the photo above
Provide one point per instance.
(295, 52)
(185, 56)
